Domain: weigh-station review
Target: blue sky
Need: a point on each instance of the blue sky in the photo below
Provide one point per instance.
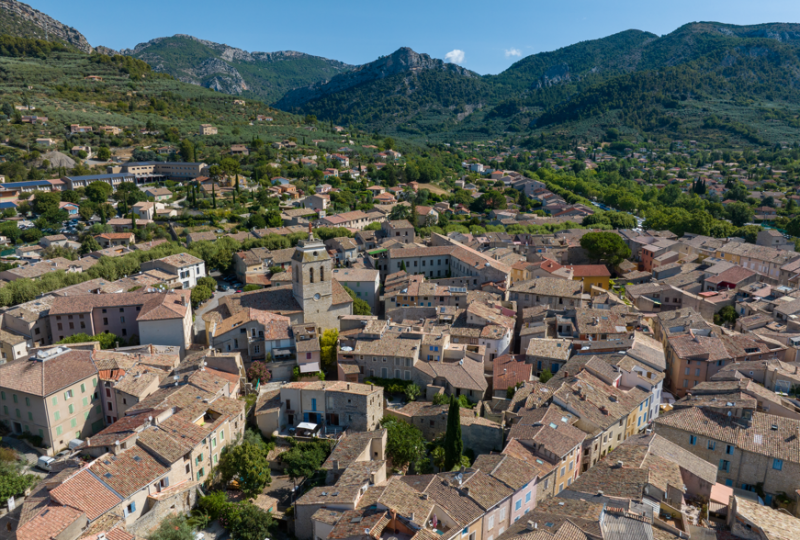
(485, 36)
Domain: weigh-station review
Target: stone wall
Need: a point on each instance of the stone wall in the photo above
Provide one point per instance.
(179, 503)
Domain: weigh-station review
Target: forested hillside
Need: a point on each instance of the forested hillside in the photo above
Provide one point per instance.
(264, 76)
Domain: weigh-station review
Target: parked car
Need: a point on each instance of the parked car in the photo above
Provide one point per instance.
(45, 463)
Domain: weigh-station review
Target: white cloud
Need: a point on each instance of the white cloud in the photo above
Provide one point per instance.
(513, 52)
(456, 56)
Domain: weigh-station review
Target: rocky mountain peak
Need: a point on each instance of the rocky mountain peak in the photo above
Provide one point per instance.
(50, 29)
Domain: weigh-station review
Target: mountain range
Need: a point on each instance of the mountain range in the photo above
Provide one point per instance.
(705, 79)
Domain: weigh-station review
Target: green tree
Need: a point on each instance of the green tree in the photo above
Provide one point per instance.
(187, 151)
(209, 282)
(453, 444)
(399, 212)
(793, 227)
(405, 444)
(245, 521)
(726, 315)
(247, 463)
(107, 340)
(605, 246)
(103, 153)
(173, 528)
(89, 245)
(305, 458)
(360, 307)
(328, 342)
(213, 505)
(739, 213)
(12, 482)
(44, 202)
(491, 200)
(403, 266)
(545, 375)
(412, 392)
(98, 192)
(200, 294)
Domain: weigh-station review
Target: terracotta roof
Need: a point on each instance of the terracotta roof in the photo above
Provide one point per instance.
(164, 444)
(44, 378)
(513, 472)
(590, 270)
(128, 472)
(759, 438)
(406, 501)
(509, 371)
(49, 523)
(86, 493)
(443, 489)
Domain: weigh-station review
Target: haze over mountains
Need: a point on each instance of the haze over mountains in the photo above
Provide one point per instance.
(703, 76)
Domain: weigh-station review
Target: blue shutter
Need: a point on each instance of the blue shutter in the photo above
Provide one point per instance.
(166, 482)
(133, 506)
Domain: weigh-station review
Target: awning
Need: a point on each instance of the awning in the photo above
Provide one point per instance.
(377, 251)
(311, 367)
(307, 425)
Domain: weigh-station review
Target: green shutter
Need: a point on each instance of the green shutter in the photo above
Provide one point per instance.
(55, 400)
(57, 415)
(30, 416)
(73, 422)
(58, 430)
(83, 388)
(85, 402)
(86, 415)
(41, 433)
(3, 396)
(28, 401)
(98, 426)
(94, 382)
(71, 408)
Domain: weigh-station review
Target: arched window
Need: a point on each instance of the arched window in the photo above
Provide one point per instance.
(322, 273)
(311, 275)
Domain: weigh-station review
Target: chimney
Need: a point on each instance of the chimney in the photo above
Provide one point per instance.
(566, 374)
(466, 490)
(424, 496)
(335, 464)
(372, 477)
(619, 464)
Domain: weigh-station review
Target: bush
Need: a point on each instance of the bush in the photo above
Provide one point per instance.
(305, 458)
(208, 282)
(390, 386)
(173, 528)
(244, 521)
(251, 287)
(258, 372)
(200, 294)
(213, 504)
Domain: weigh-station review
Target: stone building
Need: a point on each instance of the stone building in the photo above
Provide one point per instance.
(334, 405)
(749, 448)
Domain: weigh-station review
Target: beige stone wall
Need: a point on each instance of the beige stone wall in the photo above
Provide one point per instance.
(745, 467)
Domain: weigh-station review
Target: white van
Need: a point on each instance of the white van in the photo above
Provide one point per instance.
(45, 463)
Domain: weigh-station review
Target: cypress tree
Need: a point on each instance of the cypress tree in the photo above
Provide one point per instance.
(453, 445)
(214, 195)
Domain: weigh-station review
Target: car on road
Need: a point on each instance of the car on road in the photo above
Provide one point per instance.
(238, 290)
